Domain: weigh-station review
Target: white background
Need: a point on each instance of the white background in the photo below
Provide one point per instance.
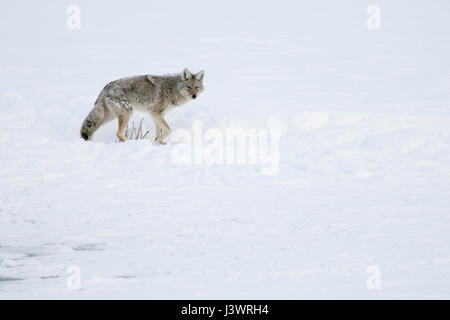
(364, 151)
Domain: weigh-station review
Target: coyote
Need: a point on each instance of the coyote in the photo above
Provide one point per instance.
(153, 94)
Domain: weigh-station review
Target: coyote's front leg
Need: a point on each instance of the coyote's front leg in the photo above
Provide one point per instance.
(123, 120)
(162, 128)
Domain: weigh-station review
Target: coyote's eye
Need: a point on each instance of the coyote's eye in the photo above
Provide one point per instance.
(189, 87)
(196, 88)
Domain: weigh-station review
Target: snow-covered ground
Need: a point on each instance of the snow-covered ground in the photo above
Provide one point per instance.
(364, 152)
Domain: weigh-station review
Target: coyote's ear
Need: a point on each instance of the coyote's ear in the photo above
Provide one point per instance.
(187, 75)
(199, 76)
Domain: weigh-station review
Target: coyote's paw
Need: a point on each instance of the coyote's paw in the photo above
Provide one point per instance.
(121, 138)
(160, 141)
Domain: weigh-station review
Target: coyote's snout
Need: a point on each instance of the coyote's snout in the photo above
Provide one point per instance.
(153, 94)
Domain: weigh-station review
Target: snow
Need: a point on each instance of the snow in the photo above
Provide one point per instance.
(364, 152)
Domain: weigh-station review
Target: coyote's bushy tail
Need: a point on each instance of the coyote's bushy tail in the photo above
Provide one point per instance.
(92, 122)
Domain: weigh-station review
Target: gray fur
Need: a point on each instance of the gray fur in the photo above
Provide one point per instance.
(148, 93)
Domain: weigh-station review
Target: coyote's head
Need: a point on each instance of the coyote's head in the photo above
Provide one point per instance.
(192, 84)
